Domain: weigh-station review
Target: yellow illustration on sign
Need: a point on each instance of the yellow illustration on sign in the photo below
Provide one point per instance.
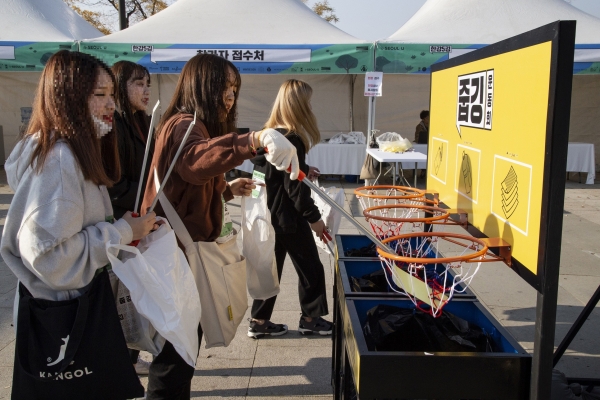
(491, 117)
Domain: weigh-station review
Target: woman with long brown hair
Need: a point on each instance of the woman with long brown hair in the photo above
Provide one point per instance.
(293, 215)
(131, 124)
(197, 189)
(60, 218)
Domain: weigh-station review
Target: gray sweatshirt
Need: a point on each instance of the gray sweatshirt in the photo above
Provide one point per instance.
(56, 228)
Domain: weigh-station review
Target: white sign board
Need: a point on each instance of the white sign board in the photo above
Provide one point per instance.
(373, 84)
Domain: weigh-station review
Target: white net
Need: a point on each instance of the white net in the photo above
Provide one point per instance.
(372, 196)
(427, 278)
(393, 220)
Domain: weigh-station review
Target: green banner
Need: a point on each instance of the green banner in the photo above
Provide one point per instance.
(29, 56)
(410, 58)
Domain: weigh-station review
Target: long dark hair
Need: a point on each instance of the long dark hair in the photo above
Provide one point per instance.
(61, 111)
(200, 88)
(124, 71)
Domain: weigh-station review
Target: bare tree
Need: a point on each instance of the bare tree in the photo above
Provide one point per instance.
(324, 10)
(135, 11)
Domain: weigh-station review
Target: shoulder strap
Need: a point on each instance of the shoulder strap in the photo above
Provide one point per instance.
(174, 219)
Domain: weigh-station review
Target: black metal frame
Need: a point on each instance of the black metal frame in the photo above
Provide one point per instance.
(362, 373)
(564, 345)
(562, 36)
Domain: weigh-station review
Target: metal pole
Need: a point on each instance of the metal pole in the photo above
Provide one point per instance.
(349, 217)
(166, 178)
(146, 152)
(122, 15)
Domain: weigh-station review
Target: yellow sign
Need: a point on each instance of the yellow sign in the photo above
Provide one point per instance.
(487, 144)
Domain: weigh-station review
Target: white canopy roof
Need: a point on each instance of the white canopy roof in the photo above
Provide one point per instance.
(233, 22)
(490, 21)
(42, 21)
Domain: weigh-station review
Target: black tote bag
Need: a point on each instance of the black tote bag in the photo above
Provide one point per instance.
(73, 349)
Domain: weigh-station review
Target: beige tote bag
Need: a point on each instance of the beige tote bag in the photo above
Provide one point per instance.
(220, 274)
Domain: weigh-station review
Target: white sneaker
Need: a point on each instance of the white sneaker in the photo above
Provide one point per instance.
(142, 367)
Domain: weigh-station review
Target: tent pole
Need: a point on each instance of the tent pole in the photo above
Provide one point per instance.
(369, 133)
(352, 77)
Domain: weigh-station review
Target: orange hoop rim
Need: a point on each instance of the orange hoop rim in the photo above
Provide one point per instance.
(416, 193)
(429, 208)
(411, 260)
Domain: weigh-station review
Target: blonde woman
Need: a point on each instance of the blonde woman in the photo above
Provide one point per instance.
(293, 215)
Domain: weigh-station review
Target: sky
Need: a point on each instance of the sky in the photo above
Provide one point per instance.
(381, 18)
(377, 19)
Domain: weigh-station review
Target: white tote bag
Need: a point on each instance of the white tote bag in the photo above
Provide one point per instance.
(162, 288)
(258, 246)
(329, 215)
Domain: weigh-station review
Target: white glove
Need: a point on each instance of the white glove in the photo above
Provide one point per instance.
(281, 153)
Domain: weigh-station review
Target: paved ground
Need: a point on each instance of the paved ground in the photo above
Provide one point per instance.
(295, 367)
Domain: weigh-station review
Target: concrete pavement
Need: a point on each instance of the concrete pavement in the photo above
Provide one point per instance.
(297, 367)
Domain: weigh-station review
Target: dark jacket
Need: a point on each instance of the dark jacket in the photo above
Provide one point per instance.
(422, 133)
(287, 200)
(131, 156)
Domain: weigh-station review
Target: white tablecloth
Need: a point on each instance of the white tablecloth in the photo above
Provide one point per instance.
(580, 158)
(330, 159)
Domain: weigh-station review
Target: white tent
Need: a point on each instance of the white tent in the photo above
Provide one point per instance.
(468, 24)
(289, 39)
(30, 31)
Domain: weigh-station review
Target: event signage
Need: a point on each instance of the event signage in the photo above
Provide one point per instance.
(417, 58)
(249, 59)
(373, 84)
(475, 100)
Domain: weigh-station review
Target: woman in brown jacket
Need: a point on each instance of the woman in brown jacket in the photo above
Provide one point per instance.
(209, 86)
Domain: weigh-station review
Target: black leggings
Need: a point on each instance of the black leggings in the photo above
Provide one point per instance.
(311, 283)
(170, 376)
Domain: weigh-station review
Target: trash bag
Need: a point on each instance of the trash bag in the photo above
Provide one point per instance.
(258, 246)
(373, 282)
(138, 331)
(162, 287)
(562, 390)
(348, 138)
(329, 215)
(393, 142)
(366, 251)
(391, 328)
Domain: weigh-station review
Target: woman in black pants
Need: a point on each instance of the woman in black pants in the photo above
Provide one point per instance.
(293, 215)
(132, 93)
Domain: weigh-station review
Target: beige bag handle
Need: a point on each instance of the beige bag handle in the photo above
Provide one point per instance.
(174, 219)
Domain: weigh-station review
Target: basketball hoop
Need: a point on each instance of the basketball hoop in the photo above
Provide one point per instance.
(389, 220)
(428, 280)
(371, 196)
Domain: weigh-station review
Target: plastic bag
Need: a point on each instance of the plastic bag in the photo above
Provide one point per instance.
(393, 142)
(138, 331)
(258, 246)
(162, 288)
(373, 282)
(329, 215)
(562, 390)
(354, 137)
(390, 328)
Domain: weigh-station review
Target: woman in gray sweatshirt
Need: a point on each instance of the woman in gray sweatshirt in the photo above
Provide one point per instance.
(60, 217)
